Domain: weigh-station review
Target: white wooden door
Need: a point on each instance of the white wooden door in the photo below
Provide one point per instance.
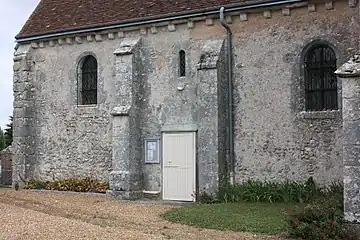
(179, 154)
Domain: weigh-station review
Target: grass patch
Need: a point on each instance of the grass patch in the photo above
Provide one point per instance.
(294, 209)
(264, 218)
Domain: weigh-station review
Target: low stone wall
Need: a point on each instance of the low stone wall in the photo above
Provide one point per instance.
(6, 167)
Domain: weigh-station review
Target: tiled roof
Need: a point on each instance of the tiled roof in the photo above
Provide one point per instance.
(60, 15)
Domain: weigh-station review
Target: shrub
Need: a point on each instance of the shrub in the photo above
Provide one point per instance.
(321, 218)
(34, 184)
(258, 191)
(72, 184)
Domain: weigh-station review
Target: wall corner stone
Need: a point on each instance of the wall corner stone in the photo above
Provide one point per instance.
(350, 75)
(210, 96)
(209, 55)
(23, 115)
(126, 176)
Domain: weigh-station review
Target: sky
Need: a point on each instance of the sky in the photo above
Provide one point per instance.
(13, 15)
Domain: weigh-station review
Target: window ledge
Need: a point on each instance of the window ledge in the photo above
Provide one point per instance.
(87, 106)
(332, 114)
(86, 109)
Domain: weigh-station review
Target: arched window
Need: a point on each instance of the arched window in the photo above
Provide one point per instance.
(87, 81)
(182, 63)
(321, 91)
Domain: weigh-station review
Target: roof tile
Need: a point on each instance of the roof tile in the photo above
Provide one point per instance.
(58, 15)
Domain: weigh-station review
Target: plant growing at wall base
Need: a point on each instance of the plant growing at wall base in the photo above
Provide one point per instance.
(271, 192)
(321, 218)
(86, 184)
(205, 198)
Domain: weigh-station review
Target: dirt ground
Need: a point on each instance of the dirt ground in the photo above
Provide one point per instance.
(51, 215)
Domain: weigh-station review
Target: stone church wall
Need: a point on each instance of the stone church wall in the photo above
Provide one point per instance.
(274, 138)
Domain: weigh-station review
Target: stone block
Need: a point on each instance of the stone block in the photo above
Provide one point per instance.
(111, 36)
(352, 194)
(16, 66)
(351, 133)
(171, 28)
(190, 24)
(125, 195)
(121, 154)
(119, 180)
(69, 40)
(78, 40)
(153, 30)
(89, 38)
(353, 229)
(23, 112)
(127, 46)
(285, 11)
(329, 5)
(61, 41)
(125, 181)
(311, 7)
(209, 22)
(143, 31)
(209, 54)
(121, 125)
(121, 111)
(267, 14)
(34, 45)
(350, 69)
(121, 34)
(243, 17)
(51, 43)
(351, 110)
(353, 3)
(351, 155)
(207, 61)
(351, 89)
(98, 38)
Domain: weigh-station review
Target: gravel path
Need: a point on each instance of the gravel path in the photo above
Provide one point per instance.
(48, 215)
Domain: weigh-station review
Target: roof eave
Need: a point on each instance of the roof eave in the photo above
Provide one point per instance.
(153, 19)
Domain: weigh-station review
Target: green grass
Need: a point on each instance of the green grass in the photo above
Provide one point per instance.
(264, 218)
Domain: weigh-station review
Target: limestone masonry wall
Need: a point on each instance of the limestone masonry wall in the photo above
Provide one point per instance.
(274, 138)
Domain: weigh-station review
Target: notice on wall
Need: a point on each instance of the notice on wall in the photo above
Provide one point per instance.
(152, 153)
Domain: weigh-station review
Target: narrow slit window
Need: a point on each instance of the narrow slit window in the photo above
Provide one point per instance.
(182, 63)
(321, 90)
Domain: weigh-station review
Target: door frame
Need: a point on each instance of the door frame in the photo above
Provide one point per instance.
(195, 165)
